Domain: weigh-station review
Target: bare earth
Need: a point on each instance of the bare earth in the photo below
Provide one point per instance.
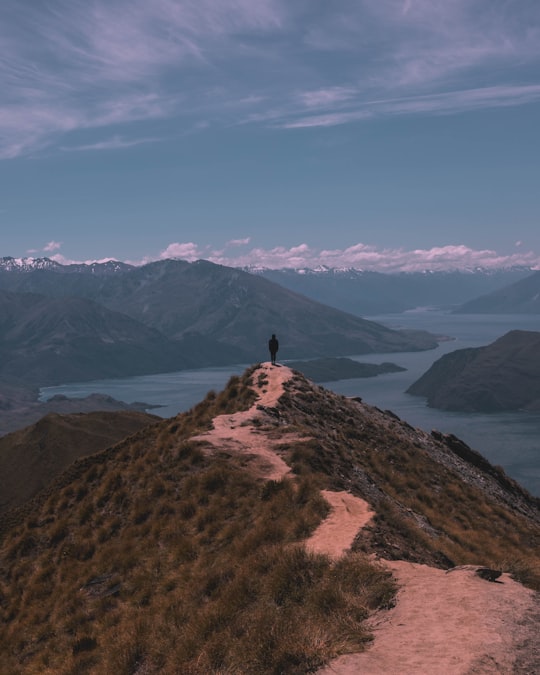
(336, 534)
(444, 622)
(237, 434)
(447, 623)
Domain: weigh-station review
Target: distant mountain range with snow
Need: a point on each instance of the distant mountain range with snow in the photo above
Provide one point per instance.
(364, 293)
(368, 293)
(359, 292)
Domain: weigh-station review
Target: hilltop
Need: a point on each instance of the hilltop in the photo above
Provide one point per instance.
(265, 531)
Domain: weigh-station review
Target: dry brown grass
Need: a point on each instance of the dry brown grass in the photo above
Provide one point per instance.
(426, 510)
(152, 557)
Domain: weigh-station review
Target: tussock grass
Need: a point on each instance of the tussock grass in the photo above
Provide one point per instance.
(152, 557)
(431, 506)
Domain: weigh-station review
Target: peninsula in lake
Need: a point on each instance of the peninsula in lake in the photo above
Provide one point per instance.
(504, 375)
(331, 369)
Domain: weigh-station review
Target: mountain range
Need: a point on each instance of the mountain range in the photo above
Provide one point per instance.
(88, 322)
(371, 293)
(521, 297)
(504, 375)
(350, 290)
(261, 532)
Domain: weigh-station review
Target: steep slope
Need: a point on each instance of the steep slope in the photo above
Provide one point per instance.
(240, 309)
(32, 457)
(180, 549)
(521, 297)
(504, 375)
(50, 341)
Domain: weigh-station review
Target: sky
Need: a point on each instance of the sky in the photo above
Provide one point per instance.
(375, 134)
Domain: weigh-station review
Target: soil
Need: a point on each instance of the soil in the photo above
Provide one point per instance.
(449, 622)
(336, 533)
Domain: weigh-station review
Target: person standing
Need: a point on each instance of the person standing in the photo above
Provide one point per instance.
(273, 346)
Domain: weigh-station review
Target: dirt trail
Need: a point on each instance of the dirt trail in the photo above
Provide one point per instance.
(337, 532)
(238, 435)
(444, 623)
(447, 623)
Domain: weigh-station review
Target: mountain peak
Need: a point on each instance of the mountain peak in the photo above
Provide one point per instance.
(29, 264)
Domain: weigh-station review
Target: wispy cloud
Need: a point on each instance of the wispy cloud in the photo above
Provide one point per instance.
(326, 97)
(239, 242)
(69, 65)
(114, 143)
(436, 104)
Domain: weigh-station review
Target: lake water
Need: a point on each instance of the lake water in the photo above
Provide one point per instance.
(511, 440)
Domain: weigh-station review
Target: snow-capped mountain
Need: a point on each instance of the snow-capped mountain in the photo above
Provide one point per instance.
(10, 264)
(371, 293)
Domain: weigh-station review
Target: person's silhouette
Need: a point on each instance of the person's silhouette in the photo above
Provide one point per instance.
(273, 346)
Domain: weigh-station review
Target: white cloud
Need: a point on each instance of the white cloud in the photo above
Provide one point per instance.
(360, 256)
(357, 256)
(52, 246)
(188, 251)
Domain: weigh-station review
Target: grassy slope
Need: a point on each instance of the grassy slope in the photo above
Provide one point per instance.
(32, 457)
(153, 557)
(432, 505)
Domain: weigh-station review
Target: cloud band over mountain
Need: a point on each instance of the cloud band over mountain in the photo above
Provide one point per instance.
(238, 253)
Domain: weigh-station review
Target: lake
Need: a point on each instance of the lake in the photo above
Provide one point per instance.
(511, 440)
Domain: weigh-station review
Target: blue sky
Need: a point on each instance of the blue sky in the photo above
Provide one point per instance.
(396, 134)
